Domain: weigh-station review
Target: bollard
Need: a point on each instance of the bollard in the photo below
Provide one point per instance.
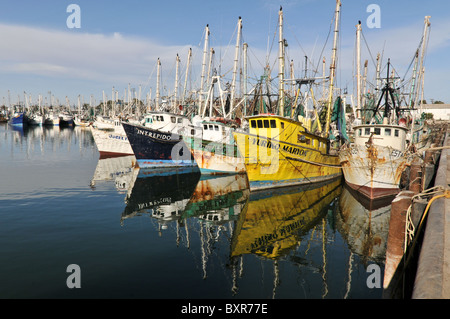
(396, 242)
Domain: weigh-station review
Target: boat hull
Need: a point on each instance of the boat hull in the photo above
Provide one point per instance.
(373, 171)
(272, 163)
(154, 148)
(18, 119)
(111, 143)
(215, 158)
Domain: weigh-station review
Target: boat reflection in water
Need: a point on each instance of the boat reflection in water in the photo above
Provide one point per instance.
(275, 222)
(218, 199)
(120, 169)
(161, 192)
(364, 224)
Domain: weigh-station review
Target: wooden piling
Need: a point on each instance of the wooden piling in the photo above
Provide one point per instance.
(396, 243)
(415, 177)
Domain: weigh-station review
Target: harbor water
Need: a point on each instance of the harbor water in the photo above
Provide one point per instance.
(135, 233)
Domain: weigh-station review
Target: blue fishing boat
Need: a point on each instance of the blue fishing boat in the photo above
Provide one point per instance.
(18, 119)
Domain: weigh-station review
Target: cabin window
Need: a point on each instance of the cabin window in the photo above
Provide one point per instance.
(282, 125)
(161, 118)
(360, 132)
(387, 132)
(210, 127)
(179, 120)
(367, 131)
(192, 132)
(396, 133)
(273, 124)
(308, 141)
(377, 131)
(266, 123)
(253, 123)
(260, 124)
(216, 127)
(173, 119)
(205, 126)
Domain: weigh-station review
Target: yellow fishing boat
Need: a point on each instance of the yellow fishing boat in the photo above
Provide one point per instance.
(282, 150)
(279, 152)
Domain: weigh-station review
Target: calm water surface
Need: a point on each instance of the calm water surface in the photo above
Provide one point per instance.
(151, 234)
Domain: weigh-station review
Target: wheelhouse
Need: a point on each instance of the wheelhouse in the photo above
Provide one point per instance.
(285, 129)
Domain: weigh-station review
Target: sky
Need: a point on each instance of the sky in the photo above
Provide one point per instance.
(117, 43)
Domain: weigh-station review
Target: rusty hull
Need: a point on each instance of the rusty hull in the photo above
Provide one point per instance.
(375, 171)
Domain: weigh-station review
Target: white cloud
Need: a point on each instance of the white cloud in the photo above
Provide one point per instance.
(81, 55)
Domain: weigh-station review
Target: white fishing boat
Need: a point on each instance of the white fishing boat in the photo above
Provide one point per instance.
(35, 119)
(382, 148)
(110, 137)
(51, 119)
(215, 151)
(373, 164)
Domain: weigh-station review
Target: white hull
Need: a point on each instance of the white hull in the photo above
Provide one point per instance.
(213, 163)
(376, 173)
(112, 142)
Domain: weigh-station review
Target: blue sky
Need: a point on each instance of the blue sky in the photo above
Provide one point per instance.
(119, 42)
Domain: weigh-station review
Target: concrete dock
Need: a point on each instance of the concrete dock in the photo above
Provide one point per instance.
(432, 280)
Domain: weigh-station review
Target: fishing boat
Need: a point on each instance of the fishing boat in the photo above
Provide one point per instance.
(158, 142)
(215, 150)
(278, 149)
(110, 138)
(3, 117)
(18, 119)
(383, 145)
(35, 119)
(374, 162)
(51, 118)
(81, 121)
(65, 119)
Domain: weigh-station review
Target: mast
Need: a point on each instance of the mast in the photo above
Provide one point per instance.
(211, 56)
(158, 79)
(202, 80)
(245, 45)
(333, 66)
(358, 67)
(235, 67)
(424, 44)
(187, 74)
(175, 93)
(364, 84)
(281, 65)
(413, 84)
